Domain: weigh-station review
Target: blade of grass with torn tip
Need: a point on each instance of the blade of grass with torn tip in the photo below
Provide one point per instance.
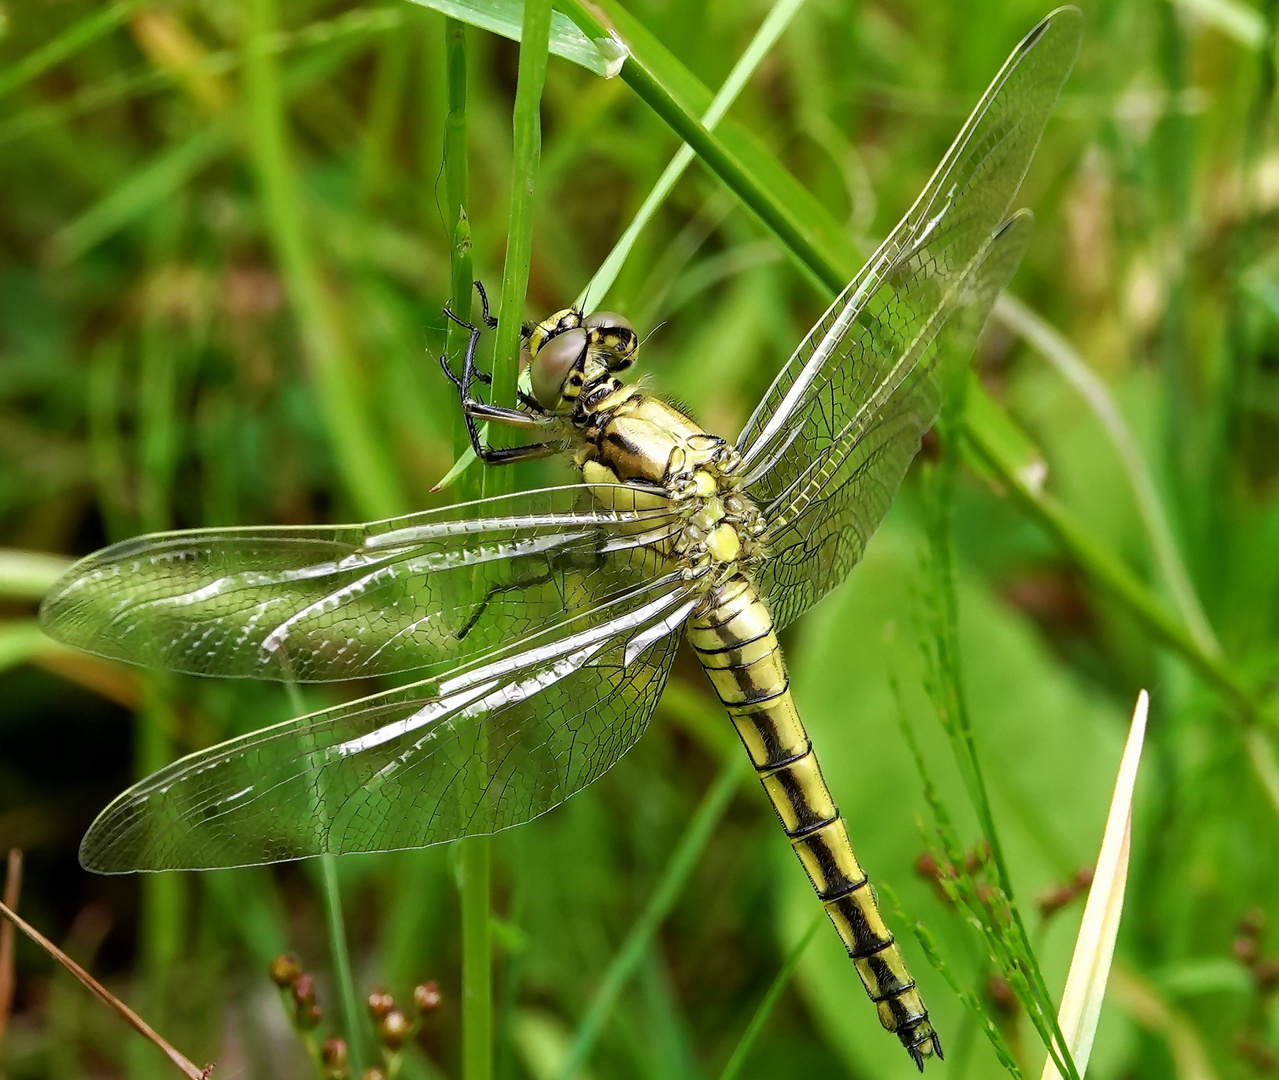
(1095, 945)
(778, 19)
(104, 995)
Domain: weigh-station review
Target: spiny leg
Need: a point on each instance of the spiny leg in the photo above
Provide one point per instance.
(473, 409)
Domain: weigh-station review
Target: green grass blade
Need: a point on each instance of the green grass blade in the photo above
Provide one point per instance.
(477, 959)
(1054, 348)
(527, 125)
(136, 196)
(81, 33)
(28, 575)
(765, 1009)
(335, 925)
(506, 17)
(359, 456)
(674, 878)
(778, 19)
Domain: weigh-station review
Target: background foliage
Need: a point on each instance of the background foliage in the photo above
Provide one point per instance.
(221, 280)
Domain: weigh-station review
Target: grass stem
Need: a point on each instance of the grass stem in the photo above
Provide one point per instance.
(674, 878)
(765, 1009)
(340, 956)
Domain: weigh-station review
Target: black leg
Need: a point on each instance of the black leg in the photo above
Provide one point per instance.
(473, 408)
(489, 321)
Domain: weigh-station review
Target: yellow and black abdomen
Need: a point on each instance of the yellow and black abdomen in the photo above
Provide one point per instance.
(736, 644)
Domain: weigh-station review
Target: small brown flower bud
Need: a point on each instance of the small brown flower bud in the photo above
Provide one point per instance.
(379, 1004)
(1054, 899)
(926, 867)
(427, 997)
(333, 1053)
(309, 1015)
(1253, 923)
(284, 971)
(1245, 950)
(1001, 995)
(394, 1029)
(1266, 972)
(303, 989)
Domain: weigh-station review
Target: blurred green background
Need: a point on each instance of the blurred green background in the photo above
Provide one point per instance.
(183, 344)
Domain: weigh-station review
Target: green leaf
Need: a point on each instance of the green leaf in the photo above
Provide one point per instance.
(604, 56)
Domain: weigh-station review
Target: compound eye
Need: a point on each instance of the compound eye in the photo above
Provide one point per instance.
(553, 364)
(608, 320)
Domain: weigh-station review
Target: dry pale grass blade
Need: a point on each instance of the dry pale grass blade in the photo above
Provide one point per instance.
(131, 1018)
(1095, 945)
(12, 889)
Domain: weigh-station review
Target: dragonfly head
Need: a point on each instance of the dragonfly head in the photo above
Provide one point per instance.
(569, 352)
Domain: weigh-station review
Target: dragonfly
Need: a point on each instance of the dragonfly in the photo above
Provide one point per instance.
(540, 627)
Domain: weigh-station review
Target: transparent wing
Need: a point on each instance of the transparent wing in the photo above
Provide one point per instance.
(429, 591)
(869, 362)
(824, 521)
(484, 748)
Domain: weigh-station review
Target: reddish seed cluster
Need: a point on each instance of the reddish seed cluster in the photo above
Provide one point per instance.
(394, 1027)
(1052, 900)
(975, 862)
(1001, 997)
(1247, 948)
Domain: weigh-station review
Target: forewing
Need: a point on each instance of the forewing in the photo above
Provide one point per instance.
(843, 418)
(429, 591)
(819, 527)
(480, 750)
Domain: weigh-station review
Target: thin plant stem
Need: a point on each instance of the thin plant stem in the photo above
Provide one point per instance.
(674, 878)
(335, 924)
(765, 1009)
(477, 856)
(775, 23)
(527, 138)
(1054, 348)
(477, 958)
(12, 890)
(953, 705)
(180, 1060)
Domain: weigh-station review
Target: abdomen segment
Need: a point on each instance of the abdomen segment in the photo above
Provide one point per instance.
(736, 644)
